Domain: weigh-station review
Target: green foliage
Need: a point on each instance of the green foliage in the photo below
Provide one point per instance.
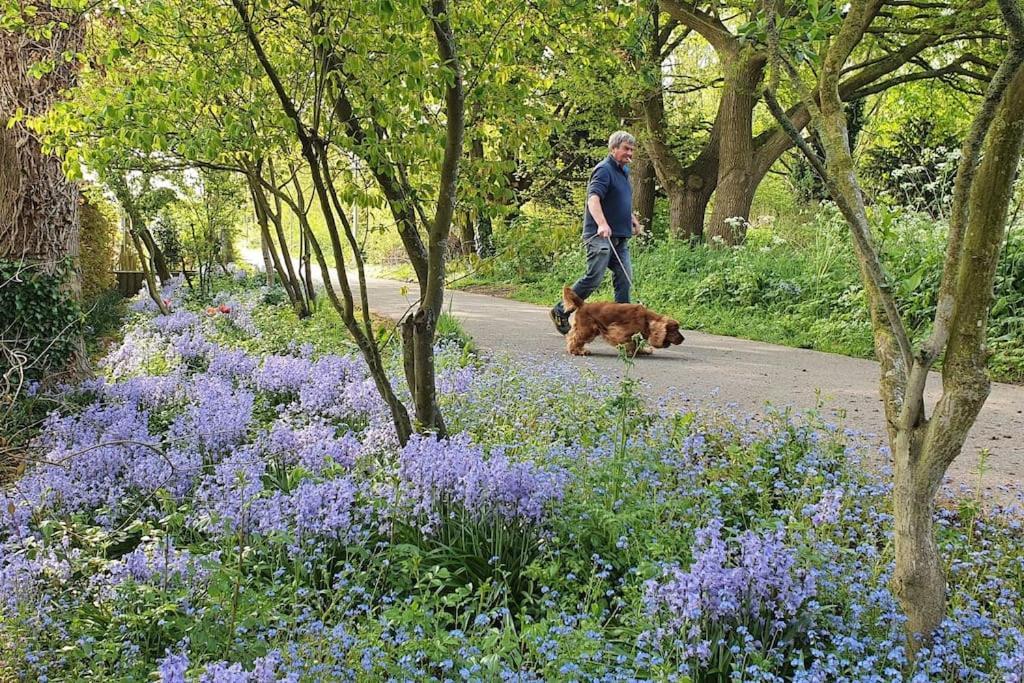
(916, 169)
(39, 321)
(199, 225)
(104, 314)
(165, 232)
(449, 330)
(98, 245)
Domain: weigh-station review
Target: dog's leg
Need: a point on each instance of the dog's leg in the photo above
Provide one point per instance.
(574, 344)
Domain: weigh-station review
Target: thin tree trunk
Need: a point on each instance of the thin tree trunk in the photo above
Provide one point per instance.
(484, 236)
(467, 238)
(261, 209)
(119, 186)
(163, 271)
(307, 271)
(151, 287)
(277, 218)
(268, 261)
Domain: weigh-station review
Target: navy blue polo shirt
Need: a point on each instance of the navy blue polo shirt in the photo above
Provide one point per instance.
(610, 182)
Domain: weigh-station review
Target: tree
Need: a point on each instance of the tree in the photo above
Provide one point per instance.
(39, 206)
(924, 446)
(734, 159)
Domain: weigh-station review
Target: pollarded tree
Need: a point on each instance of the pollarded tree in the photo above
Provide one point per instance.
(923, 445)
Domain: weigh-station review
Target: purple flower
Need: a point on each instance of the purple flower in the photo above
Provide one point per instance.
(231, 364)
(826, 510)
(324, 508)
(455, 470)
(283, 374)
(328, 391)
(218, 415)
(264, 671)
(191, 344)
(312, 446)
(140, 349)
(758, 580)
(173, 667)
(175, 323)
(225, 501)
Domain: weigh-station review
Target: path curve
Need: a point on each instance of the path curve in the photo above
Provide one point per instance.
(731, 370)
(747, 373)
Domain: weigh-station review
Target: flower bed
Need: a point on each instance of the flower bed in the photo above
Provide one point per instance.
(228, 502)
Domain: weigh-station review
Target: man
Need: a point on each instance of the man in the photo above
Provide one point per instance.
(608, 223)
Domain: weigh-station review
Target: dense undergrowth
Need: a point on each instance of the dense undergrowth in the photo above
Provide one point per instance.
(227, 502)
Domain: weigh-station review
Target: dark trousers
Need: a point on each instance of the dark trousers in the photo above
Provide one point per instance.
(602, 255)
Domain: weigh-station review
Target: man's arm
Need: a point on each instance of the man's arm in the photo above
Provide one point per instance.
(594, 205)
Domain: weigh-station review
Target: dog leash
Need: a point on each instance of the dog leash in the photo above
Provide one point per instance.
(625, 271)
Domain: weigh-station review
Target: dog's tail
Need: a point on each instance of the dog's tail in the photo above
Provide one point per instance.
(570, 299)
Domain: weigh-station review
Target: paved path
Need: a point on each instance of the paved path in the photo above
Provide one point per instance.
(730, 370)
(738, 371)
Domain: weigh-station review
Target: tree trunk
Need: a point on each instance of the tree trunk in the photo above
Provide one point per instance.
(924, 448)
(736, 182)
(642, 178)
(918, 581)
(260, 207)
(119, 186)
(163, 271)
(151, 287)
(268, 261)
(227, 245)
(39, 209)
(687, 206)
(39, 214)
(467, 237)
(484, 236)
(688, 188)
(307, 272)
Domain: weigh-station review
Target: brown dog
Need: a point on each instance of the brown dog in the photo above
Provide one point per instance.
(616, 324)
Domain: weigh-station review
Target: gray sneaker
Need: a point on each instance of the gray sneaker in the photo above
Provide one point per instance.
(561, 320)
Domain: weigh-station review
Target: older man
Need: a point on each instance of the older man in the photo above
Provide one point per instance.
(608, 223)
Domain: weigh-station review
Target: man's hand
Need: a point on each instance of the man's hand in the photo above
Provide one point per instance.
(604, 230)
(638, 227)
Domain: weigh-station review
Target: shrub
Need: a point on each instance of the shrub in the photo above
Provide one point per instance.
(40, 323)
(917, 169)
(98, 251)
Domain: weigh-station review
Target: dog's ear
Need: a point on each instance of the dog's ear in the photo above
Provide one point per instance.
(658, 332)
(673, 335)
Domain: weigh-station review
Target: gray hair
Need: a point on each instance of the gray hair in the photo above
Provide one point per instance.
(618, 137)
